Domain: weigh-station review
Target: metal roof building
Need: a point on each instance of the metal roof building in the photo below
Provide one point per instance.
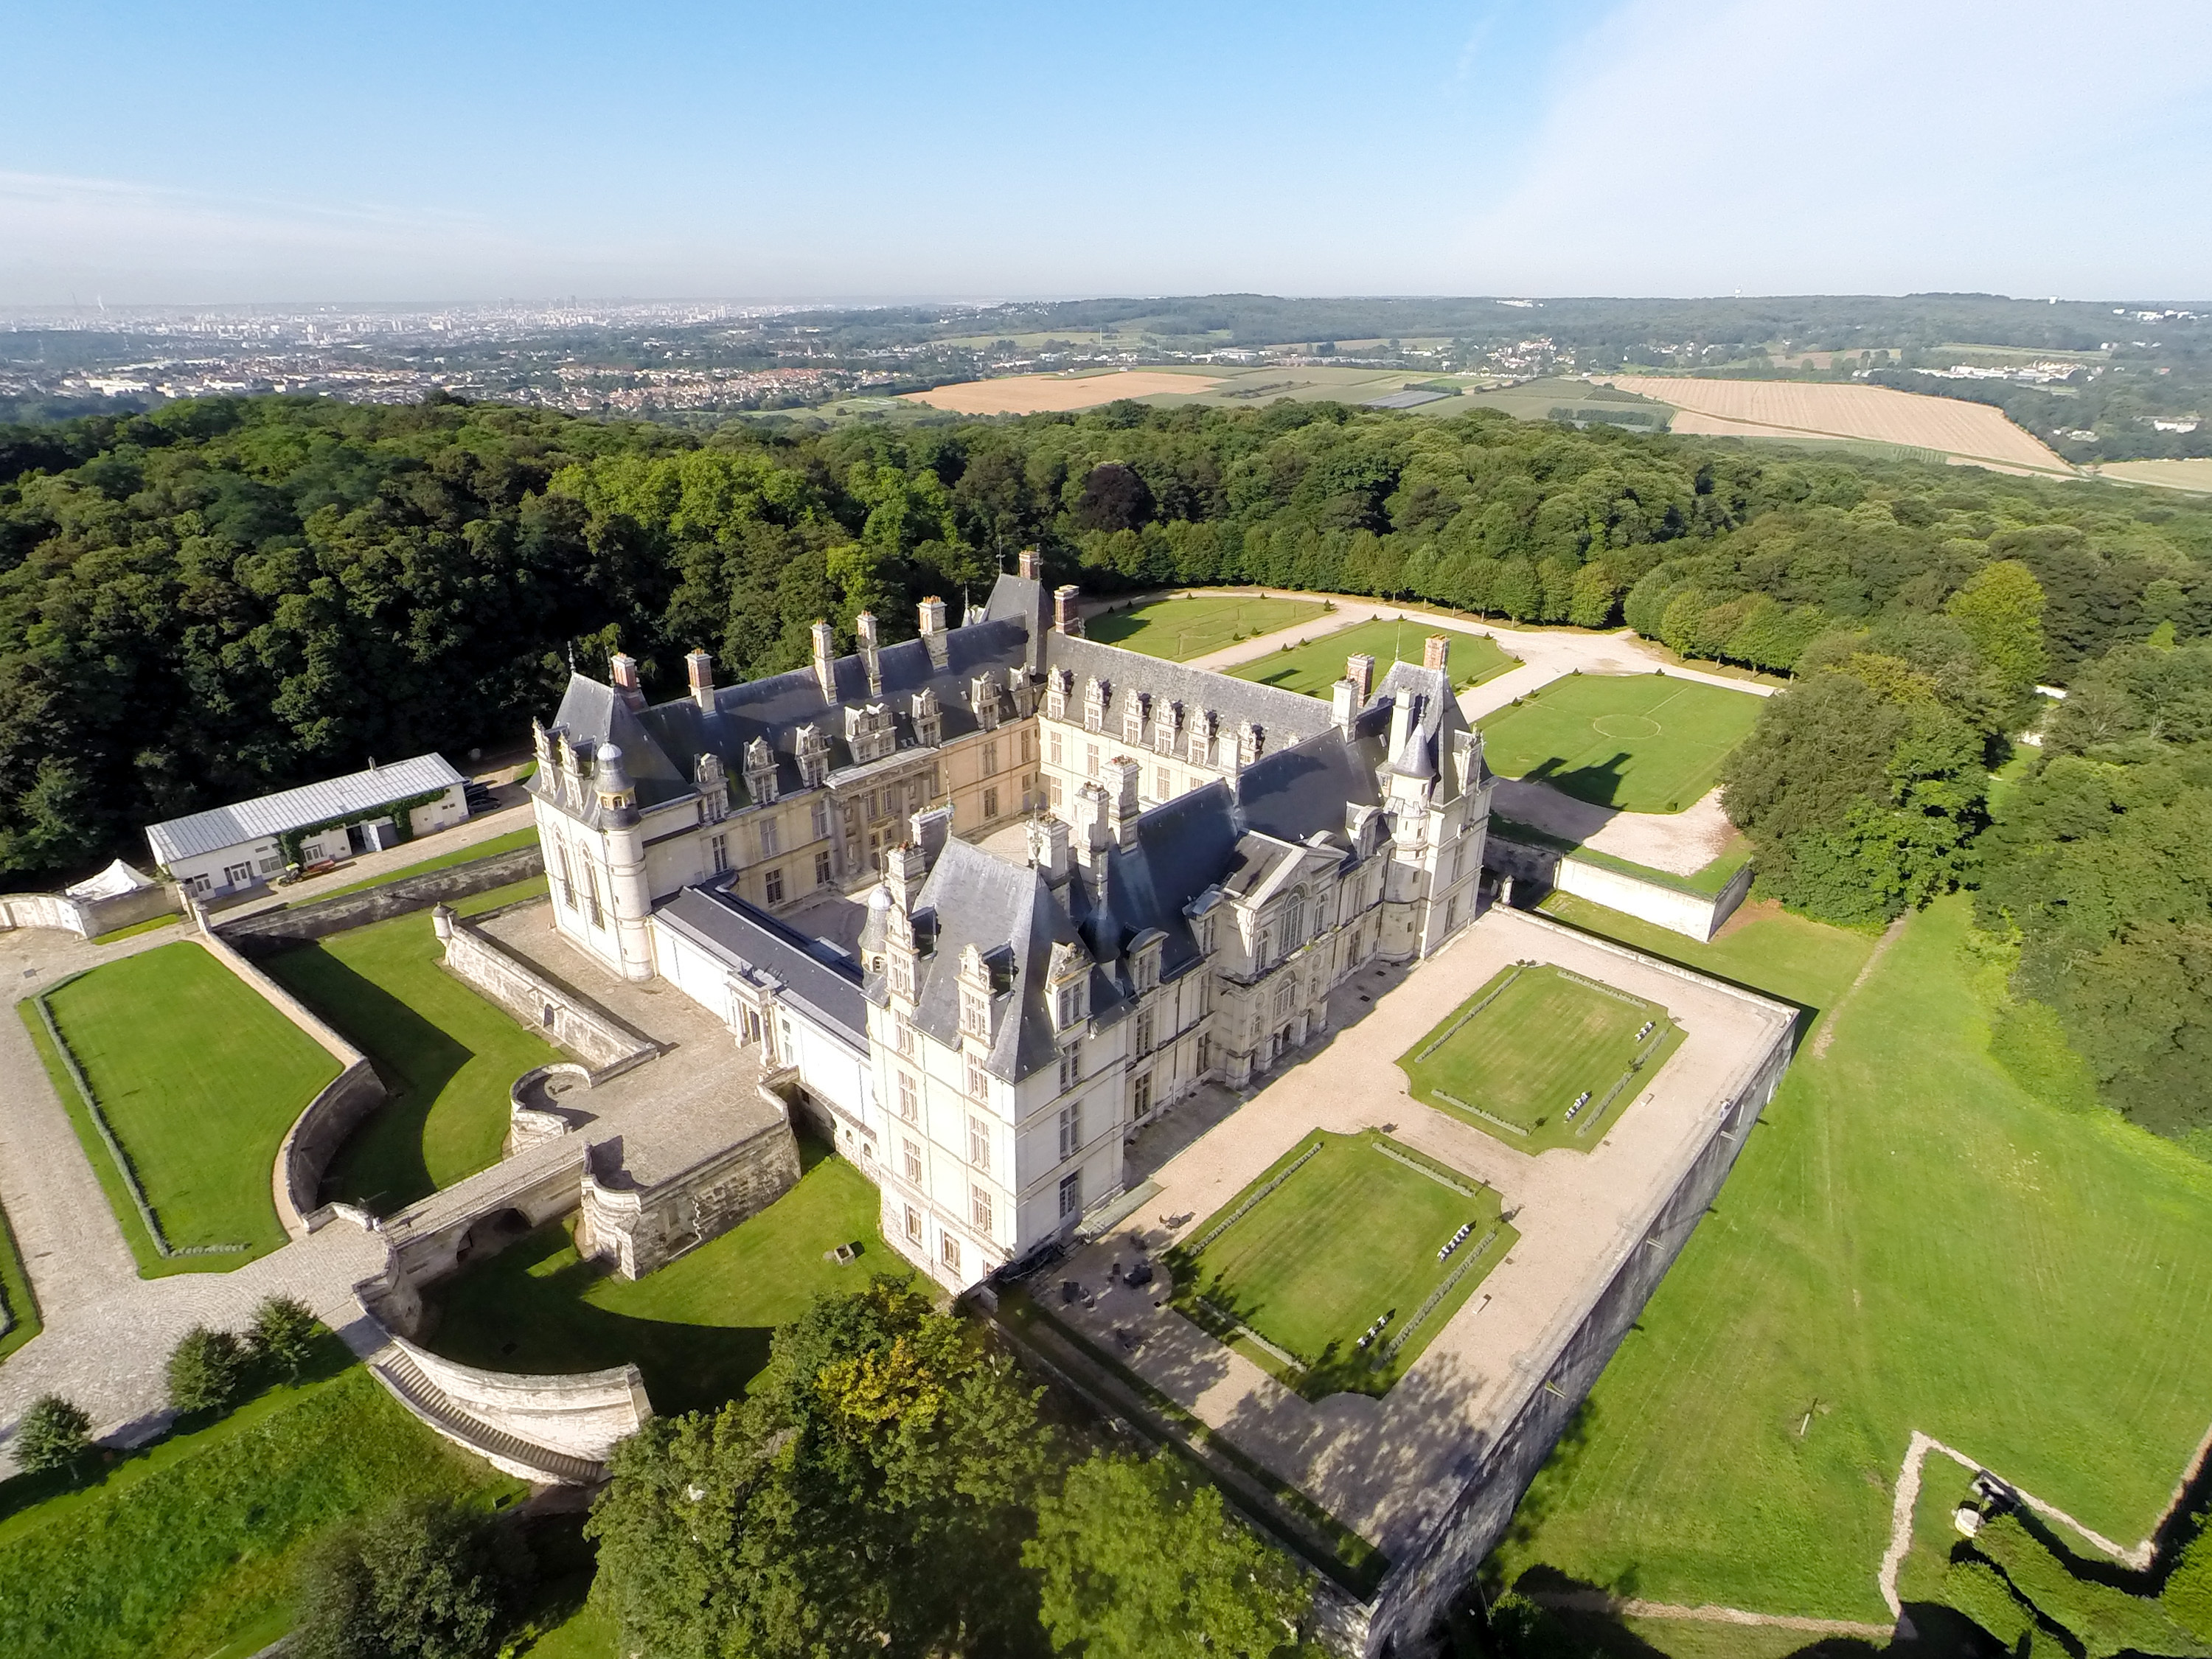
(312, 803)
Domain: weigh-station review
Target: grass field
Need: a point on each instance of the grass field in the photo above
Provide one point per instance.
(1314, 667)
(1642, 743)
(118, 935)
(698, 1327)
(22, 1307)
(448, 1055)
(1338, 1232)
(1190, 626)
(1513, 1058)
(188, 1548)
(199, 1078)
(1910, 1241)
(509, 842)
(1029, 394)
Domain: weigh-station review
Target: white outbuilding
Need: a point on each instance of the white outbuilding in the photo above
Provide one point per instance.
(232, 848)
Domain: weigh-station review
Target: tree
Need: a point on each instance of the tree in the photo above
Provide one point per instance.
(1115, 497)
(52, 1434)
(425, 1580)
(2001, 608)
(1595, 591)
(283, 1335)
(206, 1370)
(1140, 1562)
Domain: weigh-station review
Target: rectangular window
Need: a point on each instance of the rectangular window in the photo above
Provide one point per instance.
(822, 820)
(979, 1080)
(1071, 1194)
(979, 1210)
(1052, 788)
(990, 758)
(979, 1143)
(592, 896)
(974, 1014)
(1145, 1032)
(1070, 1065)
(1205, 1056)
(1294, 923)
(271, 864)
(909, 1105)
(1264, 951)
(1058, 759)
(1090, 758)
(990, 803)
(874, 806)
(914, 1224)
(717, 853)
(1028, 752)
(822, 869)
(568, 877)
(768, 839)
(911, 1161)
(1071, 1129)
(949, 1252)
(1071, 1004)
(1285, 994)
(773, 885)
(906, 1039)
(1140, 1099)
(1163, 782)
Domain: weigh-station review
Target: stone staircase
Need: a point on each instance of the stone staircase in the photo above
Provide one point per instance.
(430, 1403)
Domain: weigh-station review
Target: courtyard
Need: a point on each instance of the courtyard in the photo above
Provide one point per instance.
(1542, 1056)
(1313, 667)
(1192, 625)
(1642, 742)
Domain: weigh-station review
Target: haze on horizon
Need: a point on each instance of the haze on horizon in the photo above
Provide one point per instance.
(261, 153)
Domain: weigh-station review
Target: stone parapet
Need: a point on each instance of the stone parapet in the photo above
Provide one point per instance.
(267, 931)
(87, 918)
(565, 1016)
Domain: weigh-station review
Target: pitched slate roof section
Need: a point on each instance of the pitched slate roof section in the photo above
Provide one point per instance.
(814, 974)
(299, 809)
(1283, 717)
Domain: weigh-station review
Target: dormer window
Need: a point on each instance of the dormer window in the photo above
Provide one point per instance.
(974, 1014)
(1070, 1008)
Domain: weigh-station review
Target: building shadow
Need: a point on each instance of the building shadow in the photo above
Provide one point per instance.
(1600, 784)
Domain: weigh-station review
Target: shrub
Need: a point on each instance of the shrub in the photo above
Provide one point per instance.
(426, 1579)
(206, 1370)
(283, 1335)
(2102, 1617)
(52, 1435)
(2187, 1597)
(1977, 1589)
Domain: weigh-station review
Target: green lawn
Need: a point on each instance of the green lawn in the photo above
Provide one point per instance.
(698, 1327)
(1191, 625)
(483, 849)
(1313, 668)
(1514, 1057)
(22, 1321)
(448, 1056)
(1910, 1241)
(189, 1547)
(1351, 1233)
(1643, 742)
(199, 1078)
(116, 936)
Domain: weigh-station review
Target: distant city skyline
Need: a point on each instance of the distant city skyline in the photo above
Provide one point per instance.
(255, 154)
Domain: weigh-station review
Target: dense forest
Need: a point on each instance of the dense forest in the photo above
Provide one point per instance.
(223, 597)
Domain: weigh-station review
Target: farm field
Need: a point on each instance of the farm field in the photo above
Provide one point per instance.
(1345, 1229)
(448, 1055)
(1032, 394)
(698, 1327)
(1850, 1286)
(199, 1078)
(1513, 1058)
(1191, 626)
(1783, 408)
(2167, 475)
(1642, 743)
(1585, 400)
(1314, 667)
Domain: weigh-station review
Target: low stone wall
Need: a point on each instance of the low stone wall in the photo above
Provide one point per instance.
(532, 1118)
(1695, 915)
(567, 1018)
(87, 918)
(270, 931)
(432, 1238)
(584, 1415)
(641, 1229)
(313, 1141)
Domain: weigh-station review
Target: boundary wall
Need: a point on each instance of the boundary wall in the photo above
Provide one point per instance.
(266, 931)
(87, 918)
(1696, 915)
(1414, 1599)
(568, 1019)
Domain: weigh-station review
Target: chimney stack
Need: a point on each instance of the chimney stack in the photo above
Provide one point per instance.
(1343, 703)
(1401, 723)
(1032, 565)
(1092, 837)
(825, 661)
(701, 669)
(1360, 671)
(865, 625)
(1436, 652)
(1048, 849)
(621, 670)
(1123, 815)
(932, 632)
(1064, 618)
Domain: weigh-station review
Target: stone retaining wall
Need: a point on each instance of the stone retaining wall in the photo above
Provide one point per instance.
(268, 932)
(1696, 915)
(585, 1415)
(566, 1017)
(641, 1229)
(87, 918)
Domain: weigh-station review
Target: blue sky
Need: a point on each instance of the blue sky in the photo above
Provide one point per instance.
(155, 153)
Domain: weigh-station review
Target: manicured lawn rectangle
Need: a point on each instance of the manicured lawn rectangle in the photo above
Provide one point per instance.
(1192, 625)
(1909, 1240)
(1341, 1231)
(448, 1055)
(173, 1551)
(1314, 667)
(483, 849)
(22, 1307)
(698, 1327)
(1643, 742)
(1515, 1056)
(199, 1078)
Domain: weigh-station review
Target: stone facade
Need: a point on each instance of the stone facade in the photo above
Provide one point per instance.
(566, 1019)
(640, 1228)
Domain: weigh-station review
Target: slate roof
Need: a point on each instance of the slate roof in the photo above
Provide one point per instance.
(815, 974)
(1283, 717)
(299, 809)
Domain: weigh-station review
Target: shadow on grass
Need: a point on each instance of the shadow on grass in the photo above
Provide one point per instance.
(1599, 785)
(383, 1165)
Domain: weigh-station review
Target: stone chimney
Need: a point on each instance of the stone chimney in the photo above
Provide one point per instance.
(622, 671)
(825, 659)
(1121, 773)
(1343, 704)
(905, 868)
(871, 658)
(701, 667)
(1436, 651)
(1048, 849)
(1032, 565)
(1065, 618)
(932, 631)
(1092, 834)
(1360, 671)
(1401, 723)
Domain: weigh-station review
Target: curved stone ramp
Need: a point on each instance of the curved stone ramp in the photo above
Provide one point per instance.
(398, 1366)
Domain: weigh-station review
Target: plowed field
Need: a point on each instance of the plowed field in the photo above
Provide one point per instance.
(1751, 409)
(1034, 394)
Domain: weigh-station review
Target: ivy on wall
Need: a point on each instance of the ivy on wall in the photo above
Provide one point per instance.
(401, 812)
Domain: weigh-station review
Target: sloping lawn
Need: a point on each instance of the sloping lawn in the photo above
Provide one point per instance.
(1909, 1241)
(1314, 667)
(1193, 624)
(175, 1551)
(698, 1327)
(199, 1078)
(448, 1055)
(1643, 742)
